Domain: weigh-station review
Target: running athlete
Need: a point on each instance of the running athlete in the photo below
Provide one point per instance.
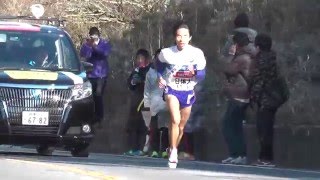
(179, 69)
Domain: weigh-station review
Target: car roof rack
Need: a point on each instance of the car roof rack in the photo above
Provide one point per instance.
(43, 20)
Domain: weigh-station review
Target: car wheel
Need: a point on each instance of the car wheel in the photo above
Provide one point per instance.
(80, 151)
(45, 150)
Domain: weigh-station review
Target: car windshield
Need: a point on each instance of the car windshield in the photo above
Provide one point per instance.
(37, 50)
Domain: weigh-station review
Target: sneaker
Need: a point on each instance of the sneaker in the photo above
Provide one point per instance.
(129, 153)
(164, 154)
(228, 160)
(138, 153)
(239, 160)
(262, 163)
(173, 159)
(154, 154)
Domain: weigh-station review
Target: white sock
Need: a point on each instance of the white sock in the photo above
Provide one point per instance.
(174, 150)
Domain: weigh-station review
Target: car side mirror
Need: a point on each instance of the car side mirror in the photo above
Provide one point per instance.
(88, 67)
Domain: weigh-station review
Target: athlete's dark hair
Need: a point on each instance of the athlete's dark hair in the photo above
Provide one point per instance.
(180, 25)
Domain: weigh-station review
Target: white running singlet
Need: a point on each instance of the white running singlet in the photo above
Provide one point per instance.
(176, 73)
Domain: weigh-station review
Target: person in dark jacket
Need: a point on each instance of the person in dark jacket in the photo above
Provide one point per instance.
(96, 51)
(136, 127)
(268, 92)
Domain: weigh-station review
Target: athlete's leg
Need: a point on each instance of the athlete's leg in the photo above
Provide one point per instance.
(185, 114)
(174, 109)
(187, 99)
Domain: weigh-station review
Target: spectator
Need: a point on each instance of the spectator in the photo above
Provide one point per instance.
(136, 128)
(237, 93)
(96, 51)
(157, 107)
(268, 91)
(241, 24)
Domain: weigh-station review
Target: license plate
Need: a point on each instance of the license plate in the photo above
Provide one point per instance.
(35, 118)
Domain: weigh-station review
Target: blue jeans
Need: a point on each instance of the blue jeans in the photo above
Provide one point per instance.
(232, 128)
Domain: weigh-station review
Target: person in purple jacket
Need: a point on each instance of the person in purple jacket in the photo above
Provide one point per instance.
(96, 51)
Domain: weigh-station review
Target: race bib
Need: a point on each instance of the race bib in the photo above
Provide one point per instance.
(183, 74)
(182, 79)
(183, 84)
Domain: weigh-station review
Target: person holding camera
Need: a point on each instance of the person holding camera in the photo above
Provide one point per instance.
(96, 50)
(136, 128)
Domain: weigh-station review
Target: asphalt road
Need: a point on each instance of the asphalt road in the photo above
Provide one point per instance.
(24, 163)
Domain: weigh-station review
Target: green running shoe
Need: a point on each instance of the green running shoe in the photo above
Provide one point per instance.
(155, 154)
(164, 154)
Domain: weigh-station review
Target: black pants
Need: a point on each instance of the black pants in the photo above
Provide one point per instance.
(98, 86)
(265, 122)
(136, 130)
(159, 139)
(232, 128)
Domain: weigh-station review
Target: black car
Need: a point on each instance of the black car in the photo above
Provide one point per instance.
(45, 97)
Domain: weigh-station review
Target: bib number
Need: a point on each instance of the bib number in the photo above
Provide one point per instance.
(182, 81)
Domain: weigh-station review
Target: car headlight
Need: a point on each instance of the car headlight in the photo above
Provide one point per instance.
(81, 91)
